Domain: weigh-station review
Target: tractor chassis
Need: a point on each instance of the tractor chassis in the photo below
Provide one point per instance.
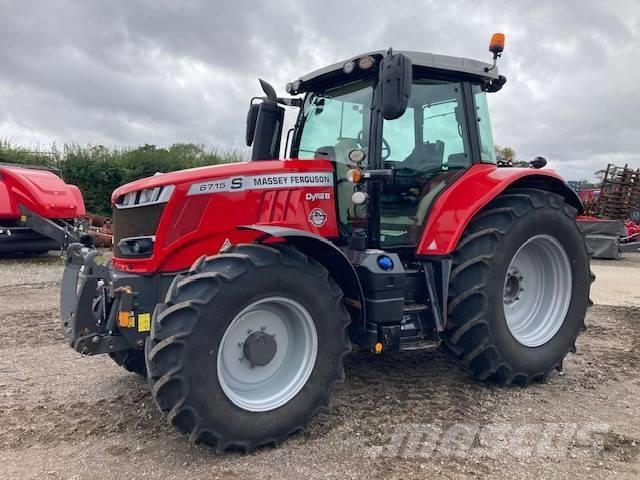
(104, 310)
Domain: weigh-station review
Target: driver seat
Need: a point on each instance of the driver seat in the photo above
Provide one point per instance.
(425, 157)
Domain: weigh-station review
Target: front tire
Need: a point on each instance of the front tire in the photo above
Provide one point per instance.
(519, 289)
(247, 347)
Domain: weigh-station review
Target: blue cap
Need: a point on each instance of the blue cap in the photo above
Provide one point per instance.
(385, 263)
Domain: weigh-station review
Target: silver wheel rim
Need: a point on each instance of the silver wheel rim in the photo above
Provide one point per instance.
(537, 290)
(260, 388)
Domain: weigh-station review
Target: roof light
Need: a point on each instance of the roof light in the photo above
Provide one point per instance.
(496, 45)
(293, 88)
(365, 63)
(348, 67)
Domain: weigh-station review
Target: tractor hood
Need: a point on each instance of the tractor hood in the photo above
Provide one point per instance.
(194, 175)
(178, 216)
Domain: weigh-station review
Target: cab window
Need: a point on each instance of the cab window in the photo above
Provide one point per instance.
(426, 148)
(487, 149)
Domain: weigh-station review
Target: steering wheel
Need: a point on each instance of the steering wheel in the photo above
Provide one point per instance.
(386, 149)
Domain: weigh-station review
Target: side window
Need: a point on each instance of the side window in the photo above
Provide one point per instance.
(444, 123)
(487, 150)
(440, 124)
(431, 134)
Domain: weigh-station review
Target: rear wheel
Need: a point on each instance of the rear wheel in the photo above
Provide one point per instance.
(519, 288)
(247, 347)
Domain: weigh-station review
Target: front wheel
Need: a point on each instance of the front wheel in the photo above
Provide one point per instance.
(519, 288)
(247, 347)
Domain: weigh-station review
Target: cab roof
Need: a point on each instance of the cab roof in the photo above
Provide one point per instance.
(444, 63)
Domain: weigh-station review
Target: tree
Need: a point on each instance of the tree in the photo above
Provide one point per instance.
(507, 156)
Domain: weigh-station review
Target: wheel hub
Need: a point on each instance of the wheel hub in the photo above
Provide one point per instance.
(260, 348)
(267, 354)
(513, 286)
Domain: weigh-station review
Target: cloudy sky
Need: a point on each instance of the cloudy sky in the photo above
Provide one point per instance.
(134, 72)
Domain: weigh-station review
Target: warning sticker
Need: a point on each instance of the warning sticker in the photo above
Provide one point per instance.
(261, 182)
(144, 322)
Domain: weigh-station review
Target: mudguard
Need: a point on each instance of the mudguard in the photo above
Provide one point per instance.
(481, 183)
(331, 257)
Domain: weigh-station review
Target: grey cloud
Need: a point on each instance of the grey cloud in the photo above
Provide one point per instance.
(127, 73)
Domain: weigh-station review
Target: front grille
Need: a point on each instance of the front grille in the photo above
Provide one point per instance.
(135, 222)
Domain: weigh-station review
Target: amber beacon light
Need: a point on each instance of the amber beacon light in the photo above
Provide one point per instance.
(496, 45)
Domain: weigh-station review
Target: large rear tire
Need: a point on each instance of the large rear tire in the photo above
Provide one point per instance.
(519, 288)
(247, 347)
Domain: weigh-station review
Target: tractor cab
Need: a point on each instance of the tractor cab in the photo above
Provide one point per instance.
(398, 127)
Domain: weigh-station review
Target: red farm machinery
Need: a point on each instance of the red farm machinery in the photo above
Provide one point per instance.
(38, 211)
(238, 289)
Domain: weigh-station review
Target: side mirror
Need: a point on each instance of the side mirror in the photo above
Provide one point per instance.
(538, 162)
(252, 118)
(395, 84)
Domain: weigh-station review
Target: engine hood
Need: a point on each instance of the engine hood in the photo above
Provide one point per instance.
(194, 175)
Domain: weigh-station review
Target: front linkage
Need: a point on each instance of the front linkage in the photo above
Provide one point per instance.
(109, 311)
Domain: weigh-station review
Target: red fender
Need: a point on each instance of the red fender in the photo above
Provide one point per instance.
(481, 183)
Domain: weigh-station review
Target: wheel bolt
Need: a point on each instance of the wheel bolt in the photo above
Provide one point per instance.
(263, 328)
(240, 344)
(249, 332)
(251, 365)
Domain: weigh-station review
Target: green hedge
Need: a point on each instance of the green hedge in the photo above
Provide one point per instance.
(98, 170)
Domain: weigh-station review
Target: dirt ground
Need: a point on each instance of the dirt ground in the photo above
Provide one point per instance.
(63, 416)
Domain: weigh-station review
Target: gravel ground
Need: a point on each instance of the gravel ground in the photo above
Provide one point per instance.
(397, 416)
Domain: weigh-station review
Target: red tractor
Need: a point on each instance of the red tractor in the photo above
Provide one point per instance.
(238, 289)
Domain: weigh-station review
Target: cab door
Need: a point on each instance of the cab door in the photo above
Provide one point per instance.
(426, 148)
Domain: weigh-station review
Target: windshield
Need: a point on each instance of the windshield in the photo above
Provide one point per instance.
(333, 119)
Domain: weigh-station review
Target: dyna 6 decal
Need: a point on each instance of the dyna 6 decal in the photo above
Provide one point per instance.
(261, 182)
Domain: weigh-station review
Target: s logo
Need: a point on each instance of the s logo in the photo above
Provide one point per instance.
(236, 183)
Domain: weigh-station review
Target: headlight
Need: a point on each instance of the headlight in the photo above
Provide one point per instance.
(137, 246)
(148, 196)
